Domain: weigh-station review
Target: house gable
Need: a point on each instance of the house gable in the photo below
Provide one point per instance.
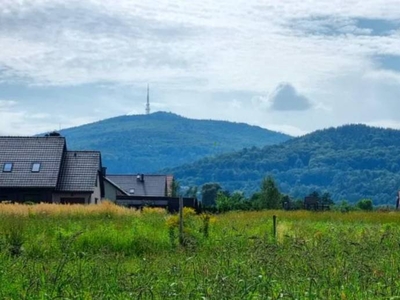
(23, 153)
(80, 171)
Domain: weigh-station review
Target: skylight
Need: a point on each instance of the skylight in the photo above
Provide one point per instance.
(35, 167)
(7, 167)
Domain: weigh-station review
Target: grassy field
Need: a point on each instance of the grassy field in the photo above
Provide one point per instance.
(108, 252)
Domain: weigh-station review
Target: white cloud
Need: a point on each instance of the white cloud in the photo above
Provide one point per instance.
(286, 98)
(287, 129)
(190, 50)
(5, 104)
(224, 45)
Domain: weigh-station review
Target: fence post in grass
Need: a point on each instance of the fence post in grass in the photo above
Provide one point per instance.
(180, 220)
(274, 225)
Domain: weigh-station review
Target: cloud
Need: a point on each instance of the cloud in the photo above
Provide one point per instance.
(6, 104)
(287, 129)
(200, 45)
(286, 98)
(201, 54)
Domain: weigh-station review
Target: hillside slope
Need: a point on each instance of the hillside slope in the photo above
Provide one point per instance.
(148, 143)
(351, 162)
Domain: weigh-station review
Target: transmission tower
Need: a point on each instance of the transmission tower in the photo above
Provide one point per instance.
(148, 101)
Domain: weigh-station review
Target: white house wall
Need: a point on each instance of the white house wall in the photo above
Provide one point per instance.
(96, 193)
(110, 191)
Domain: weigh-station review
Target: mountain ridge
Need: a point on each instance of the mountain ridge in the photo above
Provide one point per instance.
(350, 161)
(149, 143)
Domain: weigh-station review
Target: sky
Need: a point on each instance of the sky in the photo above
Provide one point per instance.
(290, 66)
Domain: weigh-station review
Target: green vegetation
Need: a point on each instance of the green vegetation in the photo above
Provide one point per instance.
(269, 197)
(53, 252)
(351, 163)
(147, 144)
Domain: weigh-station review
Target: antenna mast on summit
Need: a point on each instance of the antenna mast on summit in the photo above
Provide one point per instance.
(148, 101)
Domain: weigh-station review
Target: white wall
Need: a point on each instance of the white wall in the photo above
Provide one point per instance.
(96, 193)
(110, 192)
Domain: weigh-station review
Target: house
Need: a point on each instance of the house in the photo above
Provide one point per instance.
(138, 191)
(41, 169)
(169, 203)
(314, 203)
(140, 185)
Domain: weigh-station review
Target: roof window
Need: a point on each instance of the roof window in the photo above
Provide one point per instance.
(7, 167)
(36, 167)
(131, 191)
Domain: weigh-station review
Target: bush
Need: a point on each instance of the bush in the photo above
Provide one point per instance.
(365, 204)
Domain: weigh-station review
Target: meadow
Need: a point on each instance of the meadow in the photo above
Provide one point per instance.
(107, 252)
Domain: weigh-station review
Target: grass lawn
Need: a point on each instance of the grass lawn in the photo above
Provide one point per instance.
(107, 252)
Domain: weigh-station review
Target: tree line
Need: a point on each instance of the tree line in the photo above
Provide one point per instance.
(351, 162)
(216, 199)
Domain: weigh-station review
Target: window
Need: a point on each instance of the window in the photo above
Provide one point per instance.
(72, 200)
(7, 167)
(35, 167)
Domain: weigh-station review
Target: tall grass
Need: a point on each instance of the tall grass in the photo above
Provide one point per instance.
(105, 208)
(108, 252)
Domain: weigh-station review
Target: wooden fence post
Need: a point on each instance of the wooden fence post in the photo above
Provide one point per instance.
(180, 220)
(274, 225)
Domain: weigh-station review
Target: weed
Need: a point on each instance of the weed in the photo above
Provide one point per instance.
(108, 252)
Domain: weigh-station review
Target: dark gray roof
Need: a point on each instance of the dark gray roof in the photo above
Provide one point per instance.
(116, 186)
(23, 152)
(152, 185)
(79, 171)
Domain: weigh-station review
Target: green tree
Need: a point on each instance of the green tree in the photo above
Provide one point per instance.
(223, 202)
(239, 201)
(192, 192)
(365, 204)
(209, 193)
(344, 206)
(175, 188)
(270, 197)
(326, 199)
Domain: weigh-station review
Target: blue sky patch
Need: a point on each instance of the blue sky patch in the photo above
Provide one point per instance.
(389, 62)
(333, 26)
(378, 27)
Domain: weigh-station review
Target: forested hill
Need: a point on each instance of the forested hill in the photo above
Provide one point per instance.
(351, 162)
(148, 143)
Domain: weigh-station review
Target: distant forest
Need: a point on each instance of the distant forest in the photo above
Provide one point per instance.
(149, 143)
(351, 162)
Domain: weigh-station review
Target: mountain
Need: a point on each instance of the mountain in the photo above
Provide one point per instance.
(149, 143)
(350, 162)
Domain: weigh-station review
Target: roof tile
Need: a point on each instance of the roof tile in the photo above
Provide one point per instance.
(22, 152)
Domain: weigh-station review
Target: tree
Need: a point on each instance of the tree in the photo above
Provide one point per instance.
(270, 197)
(209, 193)
(326, 199)
(344, 206)
(175, 188)
(192, 192)
(222, 202)
(365, 204)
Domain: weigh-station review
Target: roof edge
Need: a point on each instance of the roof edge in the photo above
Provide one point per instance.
(115, 185)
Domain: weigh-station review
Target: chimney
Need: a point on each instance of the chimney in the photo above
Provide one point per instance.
(140, 177)
(104, 171)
